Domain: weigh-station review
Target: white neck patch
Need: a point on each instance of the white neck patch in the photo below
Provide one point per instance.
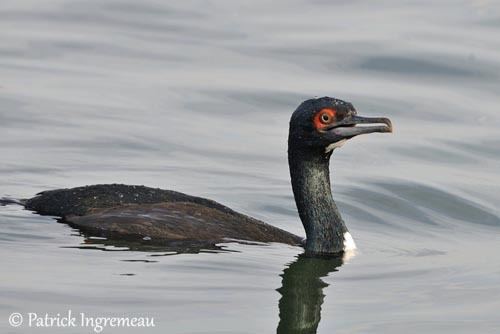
(349, 247)
(335, 145)
(349, 243)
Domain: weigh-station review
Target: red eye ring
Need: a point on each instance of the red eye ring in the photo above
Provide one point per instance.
(323, 118)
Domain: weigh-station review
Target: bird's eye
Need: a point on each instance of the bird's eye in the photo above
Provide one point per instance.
(325, 118)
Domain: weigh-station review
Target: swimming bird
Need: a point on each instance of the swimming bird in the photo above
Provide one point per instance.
(317, 127)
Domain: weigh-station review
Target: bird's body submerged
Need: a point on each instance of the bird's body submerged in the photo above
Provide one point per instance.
(317, 127)
(156, 215)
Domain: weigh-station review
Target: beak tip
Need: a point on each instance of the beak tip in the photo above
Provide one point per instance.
(389, 125)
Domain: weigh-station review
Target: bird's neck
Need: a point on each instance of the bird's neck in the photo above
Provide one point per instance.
(325, 229)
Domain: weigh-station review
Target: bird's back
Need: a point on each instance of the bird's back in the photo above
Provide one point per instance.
(81, 200)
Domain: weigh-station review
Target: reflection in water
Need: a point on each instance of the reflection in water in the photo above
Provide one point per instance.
(302, 293)
(170, 248)
(301, 290)
(302, 284)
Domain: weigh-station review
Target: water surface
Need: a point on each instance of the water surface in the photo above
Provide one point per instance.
(196, 97)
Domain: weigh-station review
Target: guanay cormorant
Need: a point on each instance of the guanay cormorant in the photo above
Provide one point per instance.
(317, 127)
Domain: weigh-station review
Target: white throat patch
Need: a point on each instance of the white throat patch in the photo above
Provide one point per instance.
(335, 145)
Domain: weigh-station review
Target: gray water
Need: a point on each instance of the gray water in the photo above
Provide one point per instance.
(196, 96)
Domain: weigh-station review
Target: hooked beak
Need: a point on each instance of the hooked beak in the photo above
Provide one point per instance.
(356, 125)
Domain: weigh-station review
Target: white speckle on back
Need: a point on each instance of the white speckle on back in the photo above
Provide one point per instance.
(335, 145)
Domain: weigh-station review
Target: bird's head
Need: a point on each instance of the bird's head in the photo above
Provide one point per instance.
(327, 123)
